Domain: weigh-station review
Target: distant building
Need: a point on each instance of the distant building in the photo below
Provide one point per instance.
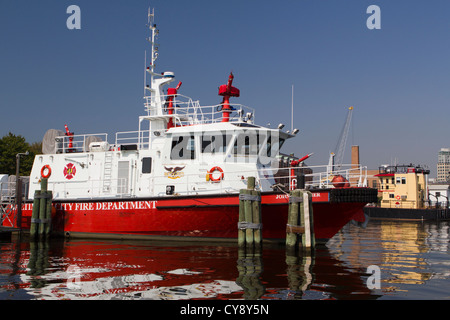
(443, 165)
(403, 186)
(438, 195)
(372, 180)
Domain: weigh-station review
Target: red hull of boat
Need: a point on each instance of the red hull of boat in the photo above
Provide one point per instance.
(214, 216)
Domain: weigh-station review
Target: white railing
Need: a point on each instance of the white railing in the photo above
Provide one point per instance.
(8, 190)
(278, 179)
(189, 112)
(77, 143)
(197, 184)
(323, 179)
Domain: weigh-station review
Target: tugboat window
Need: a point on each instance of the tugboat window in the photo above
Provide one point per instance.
(183, 147)
(247, 144)
(146, 165)
(212, 143)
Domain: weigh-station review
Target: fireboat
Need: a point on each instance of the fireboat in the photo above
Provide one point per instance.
(178, 176)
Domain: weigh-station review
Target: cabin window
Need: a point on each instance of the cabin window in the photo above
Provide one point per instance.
(147, 165)
(247, 144)
(403, 180)
(215, 143)
(183, 147)
(273, 145)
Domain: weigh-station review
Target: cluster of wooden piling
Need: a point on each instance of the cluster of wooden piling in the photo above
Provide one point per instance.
(42, 212)
(250, 226)
(300, 224)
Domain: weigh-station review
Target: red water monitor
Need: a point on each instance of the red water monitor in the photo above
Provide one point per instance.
(227, 91)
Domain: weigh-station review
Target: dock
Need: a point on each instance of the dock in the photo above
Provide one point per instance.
(407, 214)
(6, 232)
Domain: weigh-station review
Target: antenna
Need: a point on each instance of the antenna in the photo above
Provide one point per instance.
(151, 16)
(154, 33)
(145, 71)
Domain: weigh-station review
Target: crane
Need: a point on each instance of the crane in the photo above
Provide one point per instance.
(341, 144)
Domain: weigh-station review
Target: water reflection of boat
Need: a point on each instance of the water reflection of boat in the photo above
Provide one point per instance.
(105, 270)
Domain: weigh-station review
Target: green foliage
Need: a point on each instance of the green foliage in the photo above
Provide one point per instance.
(10, 146)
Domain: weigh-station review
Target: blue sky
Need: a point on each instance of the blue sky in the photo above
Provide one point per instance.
(397, 77)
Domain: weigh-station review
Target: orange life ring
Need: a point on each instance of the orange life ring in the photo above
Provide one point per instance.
(49, 171)
(210, 172)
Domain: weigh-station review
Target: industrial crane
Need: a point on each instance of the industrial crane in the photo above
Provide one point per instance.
(342, 142)
(336, 164)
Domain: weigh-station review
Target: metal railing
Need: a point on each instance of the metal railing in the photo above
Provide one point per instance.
(280, 179)
(189, 112)
(78, 143)
(8, 190)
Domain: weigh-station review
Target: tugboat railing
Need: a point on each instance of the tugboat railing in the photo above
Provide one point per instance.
(267, 179)
(189, 112)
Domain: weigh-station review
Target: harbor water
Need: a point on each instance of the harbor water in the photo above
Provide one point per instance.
(385, 260)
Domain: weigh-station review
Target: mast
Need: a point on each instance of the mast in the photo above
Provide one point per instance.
(155, 98)
(152, 39)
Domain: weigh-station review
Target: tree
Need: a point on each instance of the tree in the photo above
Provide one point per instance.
(10, 146)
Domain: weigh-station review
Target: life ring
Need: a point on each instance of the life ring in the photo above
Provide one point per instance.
(49, 171)
(398, 197)
(210, 174)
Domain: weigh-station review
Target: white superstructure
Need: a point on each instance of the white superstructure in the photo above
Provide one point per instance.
(180, 147)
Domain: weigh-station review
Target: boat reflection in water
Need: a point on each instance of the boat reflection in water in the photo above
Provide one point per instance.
(412, 257)
(144, 270)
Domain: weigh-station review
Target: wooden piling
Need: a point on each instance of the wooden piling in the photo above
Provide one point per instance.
(35, 214)
(42, 212)
(42, 206)
(248, 207)
(48, 214)
(293, 220)
(241, 231)
(256, 212)
(306, 220)
(300, 224)
(249, 225)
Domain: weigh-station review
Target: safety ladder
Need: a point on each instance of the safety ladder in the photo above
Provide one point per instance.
(107, 172)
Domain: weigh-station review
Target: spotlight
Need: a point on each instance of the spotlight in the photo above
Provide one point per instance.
(280, 126)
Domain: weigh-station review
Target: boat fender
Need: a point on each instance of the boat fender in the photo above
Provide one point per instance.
(210, 174)
(44, 169)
